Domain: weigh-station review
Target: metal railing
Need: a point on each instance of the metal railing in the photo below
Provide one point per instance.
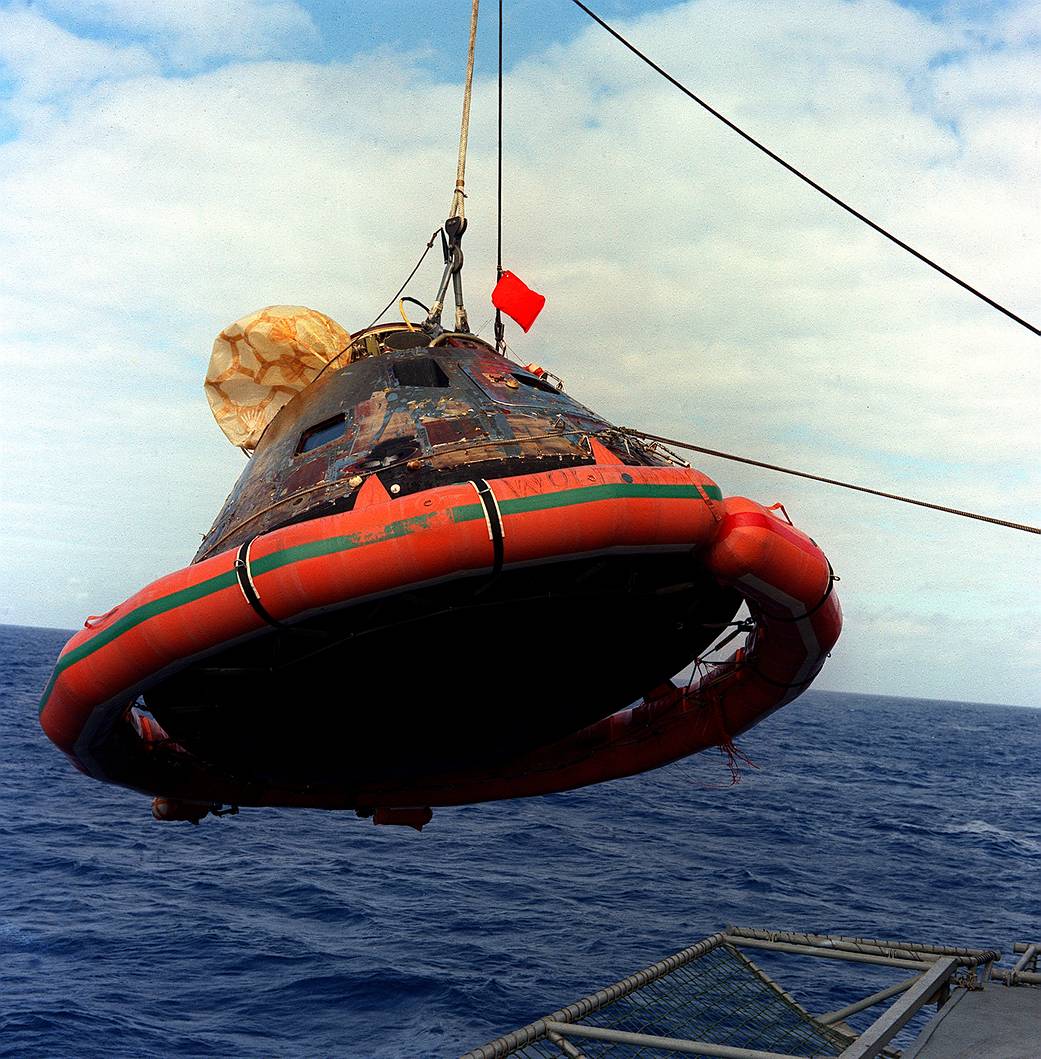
(938, 968)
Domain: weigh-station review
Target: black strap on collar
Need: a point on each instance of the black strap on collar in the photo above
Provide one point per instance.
(832, 578)
(249, 589)
(494, 519)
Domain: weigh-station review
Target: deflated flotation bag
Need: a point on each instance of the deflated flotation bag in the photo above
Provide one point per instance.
(261, 361)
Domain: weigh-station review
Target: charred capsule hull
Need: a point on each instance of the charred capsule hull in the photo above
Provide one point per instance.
(414, 417)
(440, 579)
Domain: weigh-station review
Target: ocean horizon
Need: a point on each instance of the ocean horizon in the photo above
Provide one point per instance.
(306, 932)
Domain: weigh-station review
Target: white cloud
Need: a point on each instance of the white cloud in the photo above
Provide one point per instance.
(187, 32)
(47, 61)
(694, 288)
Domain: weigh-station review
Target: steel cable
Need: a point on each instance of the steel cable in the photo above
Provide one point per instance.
(1026, 528)
(500, 339)
(401, 289)
(464, 446)
(802, 176)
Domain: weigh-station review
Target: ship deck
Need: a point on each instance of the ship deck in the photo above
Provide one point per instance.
(999, 1022)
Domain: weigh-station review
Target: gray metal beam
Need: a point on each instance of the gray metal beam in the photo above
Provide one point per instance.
(908, 950)
(1009, 977)
(566, 1047)
(671, 1044)
(830, 1017)
(832, 954)
(871, 1042)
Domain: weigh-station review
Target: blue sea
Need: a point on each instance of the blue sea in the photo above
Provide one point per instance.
(303, 933)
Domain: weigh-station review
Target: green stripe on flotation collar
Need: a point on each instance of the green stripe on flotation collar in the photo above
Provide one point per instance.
(135, 617)
(348, 542)
(331, 545)
(591, 493)
(298, 553)
(587, 495)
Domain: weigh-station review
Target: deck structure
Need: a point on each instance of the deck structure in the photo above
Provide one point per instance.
(712, 1000)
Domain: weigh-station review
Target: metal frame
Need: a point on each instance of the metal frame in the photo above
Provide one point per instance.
(892, 1021)
(537, 1030)
(935, 965)
(1019, 974)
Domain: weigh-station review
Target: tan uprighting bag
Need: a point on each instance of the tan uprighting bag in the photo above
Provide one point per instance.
(261, 361)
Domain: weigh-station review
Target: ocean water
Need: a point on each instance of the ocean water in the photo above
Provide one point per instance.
(307, 933)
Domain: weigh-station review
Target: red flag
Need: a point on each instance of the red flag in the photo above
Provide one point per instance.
(516, 300)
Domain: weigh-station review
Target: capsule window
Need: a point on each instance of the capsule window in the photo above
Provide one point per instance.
(536, 383)
(322, 434)
(420, 371)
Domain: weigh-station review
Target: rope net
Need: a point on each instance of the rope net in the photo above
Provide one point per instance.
(720, 997)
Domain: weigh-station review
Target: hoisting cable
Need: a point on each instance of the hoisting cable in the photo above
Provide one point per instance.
(802, 176)
(456, 223)
(459, 194)
(1026, 528)
(401, 289)
(500, 330)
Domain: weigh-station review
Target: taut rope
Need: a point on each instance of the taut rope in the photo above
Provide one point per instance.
(459, 194)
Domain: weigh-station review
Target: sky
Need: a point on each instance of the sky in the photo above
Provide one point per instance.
(166, 168)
